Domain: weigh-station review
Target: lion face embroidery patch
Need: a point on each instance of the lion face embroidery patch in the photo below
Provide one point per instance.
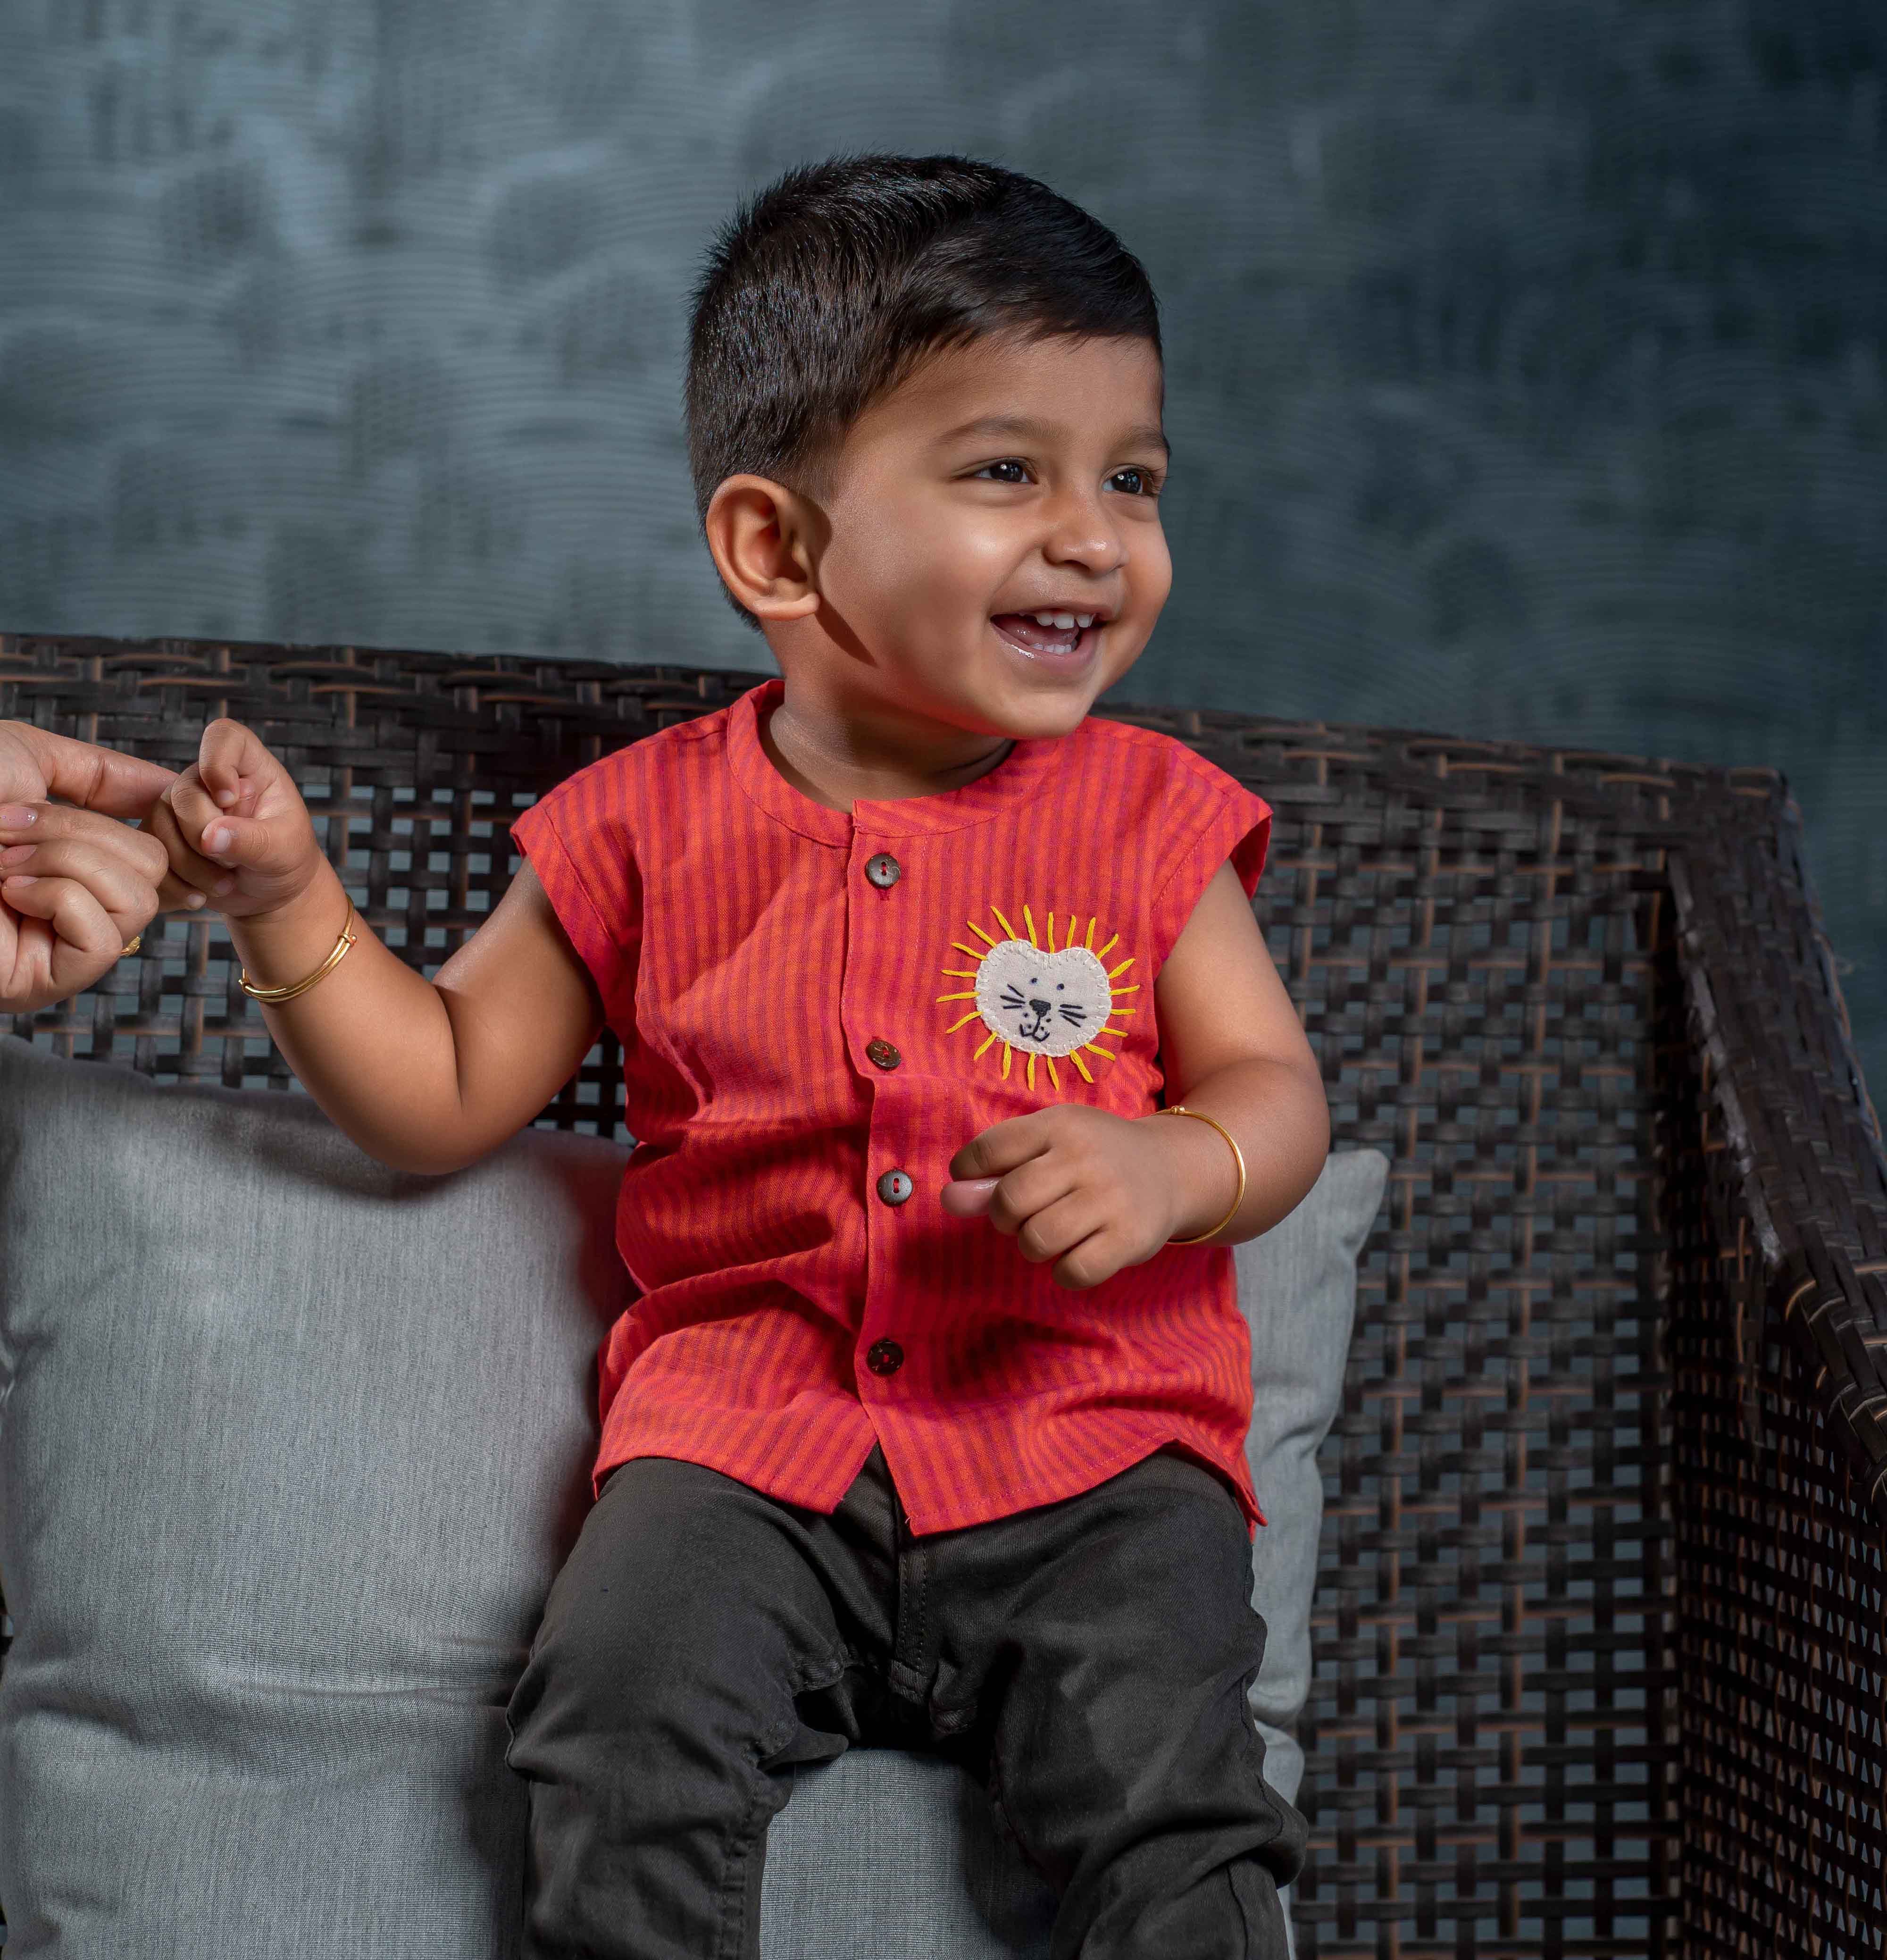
(1037, 998)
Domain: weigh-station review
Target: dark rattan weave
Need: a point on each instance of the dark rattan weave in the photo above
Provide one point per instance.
(1600, 1629)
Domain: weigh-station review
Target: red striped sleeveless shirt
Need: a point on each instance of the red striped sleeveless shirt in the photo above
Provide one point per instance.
(818, 1010)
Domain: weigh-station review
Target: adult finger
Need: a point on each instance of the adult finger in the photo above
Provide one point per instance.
(43, 825)
(132, 865)
(88, 940)
(126, 888)
(128, 900)
(83, 773)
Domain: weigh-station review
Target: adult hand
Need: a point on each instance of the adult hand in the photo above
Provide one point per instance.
(96, 882)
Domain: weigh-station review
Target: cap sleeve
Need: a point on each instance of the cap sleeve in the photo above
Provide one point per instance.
(1225, 822)
(578, 840)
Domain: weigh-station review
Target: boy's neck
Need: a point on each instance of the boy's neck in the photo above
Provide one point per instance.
(835, 761)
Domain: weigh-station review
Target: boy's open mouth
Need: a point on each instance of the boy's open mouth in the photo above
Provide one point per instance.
(1048, 632)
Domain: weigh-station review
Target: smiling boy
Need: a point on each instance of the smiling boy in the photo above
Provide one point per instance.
(927, 1426)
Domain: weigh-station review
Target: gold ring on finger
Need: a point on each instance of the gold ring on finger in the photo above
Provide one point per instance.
(137, 940)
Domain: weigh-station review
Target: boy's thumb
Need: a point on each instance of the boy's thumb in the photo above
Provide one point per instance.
(237, 840)
(968, 1197)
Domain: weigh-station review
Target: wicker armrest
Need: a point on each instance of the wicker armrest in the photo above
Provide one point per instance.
(1805, 1173)
(1779, 1418)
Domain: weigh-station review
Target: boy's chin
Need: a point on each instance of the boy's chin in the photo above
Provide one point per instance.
(1042, 717)
(1047, 705)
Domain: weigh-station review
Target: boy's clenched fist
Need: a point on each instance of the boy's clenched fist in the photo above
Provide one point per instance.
(1091, 1191)
(235, 827)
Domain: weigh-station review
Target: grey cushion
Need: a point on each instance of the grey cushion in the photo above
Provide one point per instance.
(291, 1445)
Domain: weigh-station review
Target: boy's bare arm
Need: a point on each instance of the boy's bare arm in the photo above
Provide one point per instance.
(425, 1075)
(1233, 1048)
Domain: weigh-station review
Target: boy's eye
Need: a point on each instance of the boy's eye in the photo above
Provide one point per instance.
(1136, 480)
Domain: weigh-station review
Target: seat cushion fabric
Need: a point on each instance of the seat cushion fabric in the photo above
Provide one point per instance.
(290, 1447)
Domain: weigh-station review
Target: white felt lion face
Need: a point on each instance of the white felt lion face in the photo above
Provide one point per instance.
(1038, 999)
(1046, 1003)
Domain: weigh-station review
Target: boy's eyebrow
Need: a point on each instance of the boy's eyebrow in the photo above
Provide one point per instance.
(1026, 425)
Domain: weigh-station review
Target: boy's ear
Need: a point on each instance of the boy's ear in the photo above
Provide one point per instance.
(765, 539)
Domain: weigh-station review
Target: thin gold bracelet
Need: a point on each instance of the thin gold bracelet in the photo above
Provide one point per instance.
(1180, 1109)
(273, 996)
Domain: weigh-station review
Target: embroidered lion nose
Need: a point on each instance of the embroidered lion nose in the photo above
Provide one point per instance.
(1040, 1006)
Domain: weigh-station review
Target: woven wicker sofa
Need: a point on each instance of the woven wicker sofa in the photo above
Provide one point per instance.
(1600, 1618)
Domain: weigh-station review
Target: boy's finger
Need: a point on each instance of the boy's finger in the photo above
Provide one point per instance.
(1089, 1264)
(1001, 1148)
(190, 804)
(967, 1198)
(1037, 1184)
(228, 752)
(174, 895)
(235, 840)
(188, 876)
(195, 814)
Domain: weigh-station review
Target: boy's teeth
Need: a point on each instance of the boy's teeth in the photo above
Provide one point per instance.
(1042, 632)
(1064, 620)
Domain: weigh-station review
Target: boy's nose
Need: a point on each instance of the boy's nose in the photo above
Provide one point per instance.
(1083, 533)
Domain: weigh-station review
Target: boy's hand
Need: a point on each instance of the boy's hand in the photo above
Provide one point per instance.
(235, 827)
(1092, 1190)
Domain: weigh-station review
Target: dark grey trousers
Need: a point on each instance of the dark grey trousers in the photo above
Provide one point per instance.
(1088, 1659)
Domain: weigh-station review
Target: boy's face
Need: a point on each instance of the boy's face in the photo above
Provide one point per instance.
(1001, 480)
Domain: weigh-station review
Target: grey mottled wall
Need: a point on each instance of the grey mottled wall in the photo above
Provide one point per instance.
(1526, 356)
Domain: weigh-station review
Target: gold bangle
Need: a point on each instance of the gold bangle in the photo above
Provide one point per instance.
(273, 996)
(1180, 1109)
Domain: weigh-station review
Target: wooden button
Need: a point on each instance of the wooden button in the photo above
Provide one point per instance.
(883, 870)
(894, 1187)
(881, 1055)
(884, 1357)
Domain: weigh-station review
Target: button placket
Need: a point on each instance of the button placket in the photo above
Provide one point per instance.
(894, 1187)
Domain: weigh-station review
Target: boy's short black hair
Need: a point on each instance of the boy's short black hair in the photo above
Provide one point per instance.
(825, 290)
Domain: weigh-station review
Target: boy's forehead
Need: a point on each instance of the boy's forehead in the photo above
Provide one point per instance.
(1002, 385)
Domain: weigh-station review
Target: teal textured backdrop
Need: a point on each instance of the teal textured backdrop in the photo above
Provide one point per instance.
(1526, 356)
